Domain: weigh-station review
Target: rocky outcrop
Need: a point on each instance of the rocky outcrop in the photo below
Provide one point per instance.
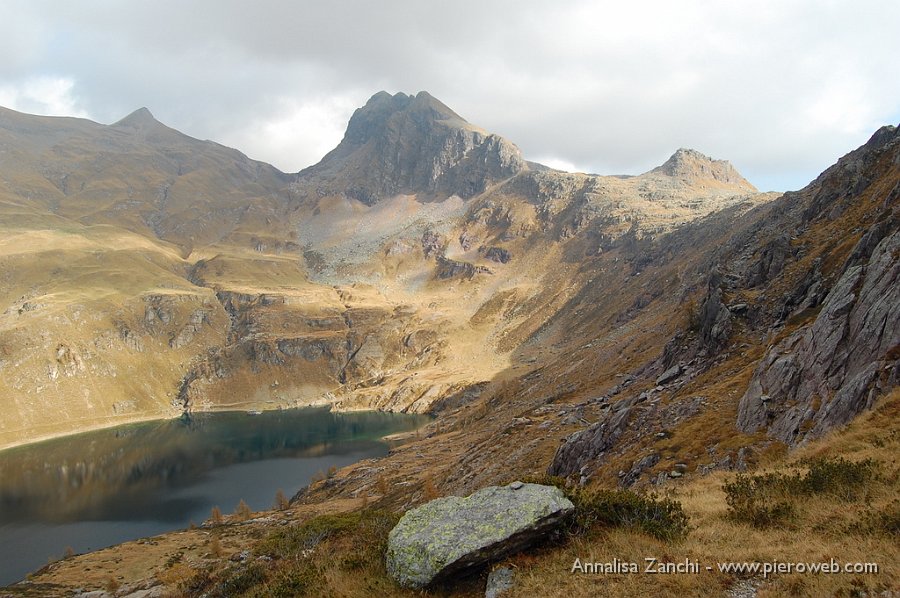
(447, 268)
(823, 375)
(404, 144)
(583, 447)
(450, 537)
(497, 254)
(714, 318)
(692, 165)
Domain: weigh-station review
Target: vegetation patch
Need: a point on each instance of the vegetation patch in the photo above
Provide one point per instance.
(770, 499)
(661, 517)
(305, 559)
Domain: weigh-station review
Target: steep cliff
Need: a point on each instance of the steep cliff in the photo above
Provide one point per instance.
(825, 373)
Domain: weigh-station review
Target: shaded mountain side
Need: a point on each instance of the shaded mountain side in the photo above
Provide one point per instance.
(141, 175)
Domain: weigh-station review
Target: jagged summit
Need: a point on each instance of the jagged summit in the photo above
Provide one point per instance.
(371, 120)
(692, 165)
(404, 144)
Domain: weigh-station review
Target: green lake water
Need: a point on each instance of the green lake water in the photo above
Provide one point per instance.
(100, 488)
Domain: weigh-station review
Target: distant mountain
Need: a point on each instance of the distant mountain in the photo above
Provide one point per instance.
(405, 144)
(691, 165)
(138, 174)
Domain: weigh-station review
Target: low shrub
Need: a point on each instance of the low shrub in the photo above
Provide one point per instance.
(659, 516)
(770, 499)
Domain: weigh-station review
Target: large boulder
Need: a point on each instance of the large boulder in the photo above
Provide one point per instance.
(449, 537)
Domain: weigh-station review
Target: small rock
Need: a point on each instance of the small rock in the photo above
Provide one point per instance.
(675, 474)
(738, 308)
(499, 582)
(670, 374)
(516, 485)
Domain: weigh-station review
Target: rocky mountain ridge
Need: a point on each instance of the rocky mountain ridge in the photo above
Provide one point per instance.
(316, 294)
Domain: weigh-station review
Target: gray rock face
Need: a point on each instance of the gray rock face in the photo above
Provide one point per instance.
(451, 536)
(583, 447)
(821, 376)
(715, 317)
(405, 144)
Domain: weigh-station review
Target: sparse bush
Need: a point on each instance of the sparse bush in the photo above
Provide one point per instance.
(112, 584)
(429, 491)
(882, 521)
(300, 580)
(242, 579)
(281, 501)
(847, 480)
(318, 477)
(658, 516)
(216, 516)
(243, 511)
(215, 547)
(294, 540)
(332, 471)
(381, 485)
(354, 541)
(769, 499)
(764, 500)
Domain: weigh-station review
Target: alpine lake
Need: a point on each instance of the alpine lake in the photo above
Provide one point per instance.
(96, 489)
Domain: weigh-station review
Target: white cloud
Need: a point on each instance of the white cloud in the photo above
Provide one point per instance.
(558, 164)
(296, 133)
(781, 89)
(52, 96)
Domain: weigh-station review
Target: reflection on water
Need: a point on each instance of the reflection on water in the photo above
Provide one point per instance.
(99, 488)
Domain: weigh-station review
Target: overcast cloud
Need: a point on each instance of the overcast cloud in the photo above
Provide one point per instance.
(781, 88)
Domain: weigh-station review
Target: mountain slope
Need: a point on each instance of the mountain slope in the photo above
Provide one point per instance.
(137, 174)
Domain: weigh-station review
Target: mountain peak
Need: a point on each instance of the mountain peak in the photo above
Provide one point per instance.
(693, 166)
(142, 117)
(383, 109)
(405, 144)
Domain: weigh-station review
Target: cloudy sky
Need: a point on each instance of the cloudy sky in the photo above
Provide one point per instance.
(781, 88)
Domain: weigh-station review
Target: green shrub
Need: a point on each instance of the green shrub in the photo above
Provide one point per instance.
(764, 500)
(660, 517)
(770, 499)
(241, 580)
(294, 540)
(300, 580)
(882, 521)
(847, 480)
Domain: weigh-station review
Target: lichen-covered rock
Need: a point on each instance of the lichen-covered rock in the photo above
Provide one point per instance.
(451, 536)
